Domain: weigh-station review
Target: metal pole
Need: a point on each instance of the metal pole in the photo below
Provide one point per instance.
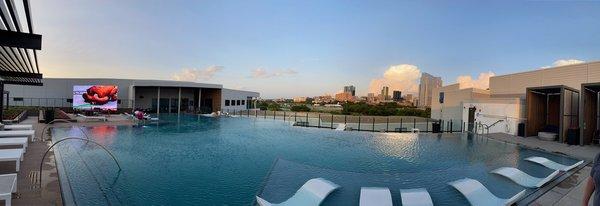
(387, 124)
(319, 124)
(414, 122)
(307, 124)
(359, 123)
(427, 125)
(265, 114)
(345, 119)
(274, 113)
(331, 121)
(400, 124)
(157, 102)
(373, 126)
(284, 116)
(451, 126)
(295, 116)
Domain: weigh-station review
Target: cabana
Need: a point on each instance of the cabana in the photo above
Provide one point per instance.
(551, 112)
(588, 109)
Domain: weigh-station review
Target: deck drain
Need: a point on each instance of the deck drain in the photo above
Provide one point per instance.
(34, 179)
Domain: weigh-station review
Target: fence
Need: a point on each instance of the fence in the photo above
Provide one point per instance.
(54, 102)
(356, 123)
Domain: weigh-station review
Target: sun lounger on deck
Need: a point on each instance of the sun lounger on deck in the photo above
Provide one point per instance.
(551, 164)
(18, 133)
(313, 192)
(15, 141)
(375, 196)
(101, 118)
(477, 194)
(523, 178)
(416, 197)
(8, 155)
(8, 185)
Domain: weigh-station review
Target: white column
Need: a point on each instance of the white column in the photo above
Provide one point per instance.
(158, 102)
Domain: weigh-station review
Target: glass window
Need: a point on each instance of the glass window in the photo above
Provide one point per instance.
(243, 102)
(18, 99)
(239, 102)
(441, 97)
(226, 102)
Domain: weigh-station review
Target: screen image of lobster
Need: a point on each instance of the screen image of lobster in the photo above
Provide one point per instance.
(99, 95)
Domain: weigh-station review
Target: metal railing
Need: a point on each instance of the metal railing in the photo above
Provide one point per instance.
(355, 122)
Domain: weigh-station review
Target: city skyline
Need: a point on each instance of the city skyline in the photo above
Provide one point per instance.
(276, 48)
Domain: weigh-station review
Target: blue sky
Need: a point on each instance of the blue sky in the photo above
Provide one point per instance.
(308, 48)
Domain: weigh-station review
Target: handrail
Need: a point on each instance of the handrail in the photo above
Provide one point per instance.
(60, 120)
(69, 138)
(493, 124)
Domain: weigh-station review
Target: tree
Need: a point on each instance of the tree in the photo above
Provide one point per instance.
(300, 108)
(273, 107)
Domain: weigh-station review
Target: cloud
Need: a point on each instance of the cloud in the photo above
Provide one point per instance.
(196, 74)
(565, 62)
(482, 82)
(403, 77)
(263, 73)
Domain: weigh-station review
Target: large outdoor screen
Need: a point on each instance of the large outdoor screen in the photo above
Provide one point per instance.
(88, 97)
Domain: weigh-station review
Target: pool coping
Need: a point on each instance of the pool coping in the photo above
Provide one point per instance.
(65, 186)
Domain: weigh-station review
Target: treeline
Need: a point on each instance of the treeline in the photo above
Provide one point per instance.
(383, 109)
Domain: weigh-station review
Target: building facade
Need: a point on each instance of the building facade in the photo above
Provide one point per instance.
(350, 89)
(397, 96)
(426, 86)
(385, 93)
(152, 95)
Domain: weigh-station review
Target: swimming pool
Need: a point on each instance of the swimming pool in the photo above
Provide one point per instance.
(227, 161)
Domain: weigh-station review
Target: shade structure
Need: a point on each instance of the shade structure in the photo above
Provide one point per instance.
(552, 109)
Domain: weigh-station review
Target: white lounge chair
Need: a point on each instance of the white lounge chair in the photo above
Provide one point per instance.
(7, 155)
(8, 185)
(15, 141)
(16, 126)
(18, 133)
(416, 197)
(375, 196)
(553, 165)
(101, 118)
(523, 178)
(341, 127)
(313, 192)
(477, 194)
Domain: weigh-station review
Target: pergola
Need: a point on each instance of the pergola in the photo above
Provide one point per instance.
(18, 45)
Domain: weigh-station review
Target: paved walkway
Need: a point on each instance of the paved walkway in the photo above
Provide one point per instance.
(570, 191)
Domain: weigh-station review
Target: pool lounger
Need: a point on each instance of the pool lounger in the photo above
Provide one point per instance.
(341, 127)
(553, 165)
(416, 197)
(101, 118)
(313, 192)
(7, 155)
(375, 196)
(523, 178)
(16, 126)
(15, 141)
(8, 185)
(18, 133)
(477, 194)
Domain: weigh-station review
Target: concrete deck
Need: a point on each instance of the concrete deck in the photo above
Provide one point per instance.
(569, 191)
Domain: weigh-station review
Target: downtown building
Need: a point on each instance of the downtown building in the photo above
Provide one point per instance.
(426, 86)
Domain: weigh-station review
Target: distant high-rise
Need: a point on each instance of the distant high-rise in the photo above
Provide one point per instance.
(428, 82)
(385, 93)
(397, 96)
(350, 89)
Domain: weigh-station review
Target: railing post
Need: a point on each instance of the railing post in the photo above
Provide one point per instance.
(295, 116)
(307, 124)
(265, 116)
(400, 124)
(387, 124)
(451, 126)
(319, 124)
(284, 116)
(373, 127)
(427, 125)
(345, 119)
(256, 113)
(358, 122)
(331, 121)
(274, 113)
(414, 122)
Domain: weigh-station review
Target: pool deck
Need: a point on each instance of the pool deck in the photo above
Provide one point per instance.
(570, 190)
(28, 187)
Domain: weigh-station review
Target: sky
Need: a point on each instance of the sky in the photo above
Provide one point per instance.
(307, 48)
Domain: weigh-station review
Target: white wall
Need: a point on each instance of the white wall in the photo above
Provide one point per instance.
(490, 111)
(234, 95)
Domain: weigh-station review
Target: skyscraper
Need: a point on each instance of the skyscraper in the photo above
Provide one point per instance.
(350, 89)
(397, 96)
(428, 82)
(385, 93)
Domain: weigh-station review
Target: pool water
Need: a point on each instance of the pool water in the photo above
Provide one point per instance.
(193, 160)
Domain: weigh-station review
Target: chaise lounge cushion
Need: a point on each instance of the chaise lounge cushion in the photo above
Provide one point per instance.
(547, 136)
